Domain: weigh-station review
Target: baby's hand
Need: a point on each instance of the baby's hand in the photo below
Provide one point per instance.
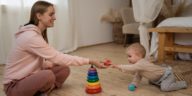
(114, 66)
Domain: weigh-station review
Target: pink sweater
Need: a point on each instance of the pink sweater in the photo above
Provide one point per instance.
(29, 53)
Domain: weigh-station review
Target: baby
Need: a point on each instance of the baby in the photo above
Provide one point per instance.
(156, 75)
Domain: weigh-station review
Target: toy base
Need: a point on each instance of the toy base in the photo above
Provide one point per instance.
(95, 91)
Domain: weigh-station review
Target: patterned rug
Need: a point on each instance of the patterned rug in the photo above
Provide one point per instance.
(182, 70)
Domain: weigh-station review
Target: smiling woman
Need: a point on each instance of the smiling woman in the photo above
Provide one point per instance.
(15, 14)
(33, 59)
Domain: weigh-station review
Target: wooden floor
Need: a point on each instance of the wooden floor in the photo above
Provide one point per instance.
(113, 82)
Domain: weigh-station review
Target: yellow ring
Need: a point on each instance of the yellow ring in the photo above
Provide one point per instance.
(93, 84)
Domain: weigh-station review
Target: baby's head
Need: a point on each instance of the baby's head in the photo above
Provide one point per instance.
(135, 52)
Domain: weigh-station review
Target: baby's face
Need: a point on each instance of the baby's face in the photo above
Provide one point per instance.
(132, 56)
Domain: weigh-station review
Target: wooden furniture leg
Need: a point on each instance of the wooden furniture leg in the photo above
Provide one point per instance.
(162, 38)
(170, 43)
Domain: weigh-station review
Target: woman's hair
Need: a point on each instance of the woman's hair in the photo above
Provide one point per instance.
(39, 7)
(138, 48)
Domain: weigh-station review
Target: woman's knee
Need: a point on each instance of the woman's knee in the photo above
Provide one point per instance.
(61, 73)
(48, 75)
(64, 71)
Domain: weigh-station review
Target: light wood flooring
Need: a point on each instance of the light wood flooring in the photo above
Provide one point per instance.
(113, 82)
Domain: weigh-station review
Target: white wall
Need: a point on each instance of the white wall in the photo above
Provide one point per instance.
(87, 20)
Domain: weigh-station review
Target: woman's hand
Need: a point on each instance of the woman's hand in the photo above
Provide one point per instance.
(97, 63)
(47, 65)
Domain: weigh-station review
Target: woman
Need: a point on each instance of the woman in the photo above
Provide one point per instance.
(33, 67)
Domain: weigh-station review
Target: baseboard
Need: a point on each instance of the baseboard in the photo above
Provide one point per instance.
(95, 44)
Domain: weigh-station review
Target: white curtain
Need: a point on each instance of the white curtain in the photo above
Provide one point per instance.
(14, 13)
(145, 11)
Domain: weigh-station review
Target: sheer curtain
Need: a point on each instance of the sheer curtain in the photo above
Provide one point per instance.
(145, 11)
(14, 13)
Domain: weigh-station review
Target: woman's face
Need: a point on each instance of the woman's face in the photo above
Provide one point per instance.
(47, 19)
